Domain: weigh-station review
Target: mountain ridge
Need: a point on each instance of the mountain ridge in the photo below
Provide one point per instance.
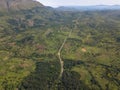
(89, 8)
(18, 4)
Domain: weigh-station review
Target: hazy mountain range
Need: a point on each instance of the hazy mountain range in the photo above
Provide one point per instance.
(27, 4)
(89, 8)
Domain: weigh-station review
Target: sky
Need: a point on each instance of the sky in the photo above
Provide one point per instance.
(56, 3)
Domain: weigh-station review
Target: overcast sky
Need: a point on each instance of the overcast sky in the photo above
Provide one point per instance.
(55, 3)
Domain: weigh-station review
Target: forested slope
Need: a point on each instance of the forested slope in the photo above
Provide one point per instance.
(30, 40)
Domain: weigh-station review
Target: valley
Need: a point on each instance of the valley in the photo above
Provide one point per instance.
(42, 48)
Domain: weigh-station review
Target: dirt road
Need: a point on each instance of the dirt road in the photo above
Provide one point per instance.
(59, 54)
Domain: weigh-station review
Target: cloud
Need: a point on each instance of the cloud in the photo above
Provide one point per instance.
(78, 2)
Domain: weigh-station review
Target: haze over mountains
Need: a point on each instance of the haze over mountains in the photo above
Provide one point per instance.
(89, 8)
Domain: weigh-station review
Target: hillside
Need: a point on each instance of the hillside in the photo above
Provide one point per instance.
(18, 4)
(42, 48)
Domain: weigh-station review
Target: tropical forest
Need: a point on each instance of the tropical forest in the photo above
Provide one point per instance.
(43, 48)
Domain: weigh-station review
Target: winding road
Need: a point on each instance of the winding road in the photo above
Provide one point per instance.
(59, 54)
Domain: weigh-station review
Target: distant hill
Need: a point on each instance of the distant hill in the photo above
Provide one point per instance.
(18, 4)
(89, 8)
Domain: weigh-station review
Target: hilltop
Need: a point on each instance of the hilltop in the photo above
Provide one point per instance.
(18, 4)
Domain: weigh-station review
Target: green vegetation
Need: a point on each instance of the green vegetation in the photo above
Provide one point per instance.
(30, 40)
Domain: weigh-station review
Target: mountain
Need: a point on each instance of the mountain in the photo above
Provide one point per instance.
(89, 8)
(18, 4)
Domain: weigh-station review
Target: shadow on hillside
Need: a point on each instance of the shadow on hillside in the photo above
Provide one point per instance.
(42, 78)
(46, 74)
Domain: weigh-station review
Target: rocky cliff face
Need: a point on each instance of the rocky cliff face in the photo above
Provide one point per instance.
(18, 4)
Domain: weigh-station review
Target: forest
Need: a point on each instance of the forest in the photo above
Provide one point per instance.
(30, 40)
